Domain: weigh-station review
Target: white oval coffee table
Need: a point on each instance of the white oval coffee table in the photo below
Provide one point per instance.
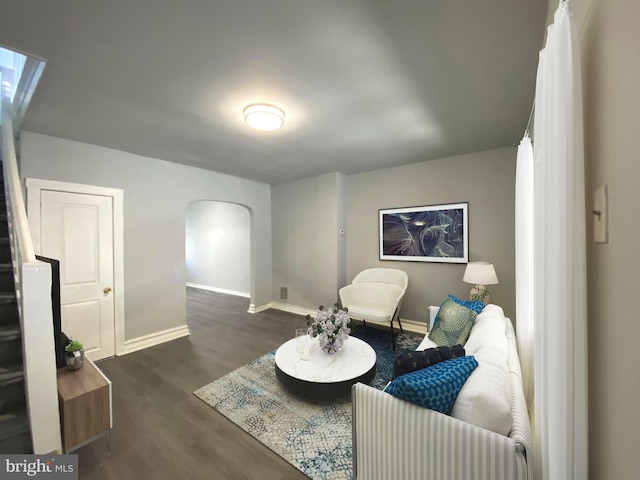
(325, 374)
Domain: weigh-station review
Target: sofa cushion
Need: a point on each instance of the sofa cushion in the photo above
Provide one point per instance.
(475, 305)
(435, 387)
(493, 316)
(489, 330)
(483, 335)
(453, 324)
(411, 361)
(485, 398)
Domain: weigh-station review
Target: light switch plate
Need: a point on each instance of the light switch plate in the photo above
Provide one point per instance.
(600, 215)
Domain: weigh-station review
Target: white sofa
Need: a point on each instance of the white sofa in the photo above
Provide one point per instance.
(487, 436)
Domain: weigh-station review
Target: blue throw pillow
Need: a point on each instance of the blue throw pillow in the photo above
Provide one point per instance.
(475, 305)
(453, 324)
(435, 387)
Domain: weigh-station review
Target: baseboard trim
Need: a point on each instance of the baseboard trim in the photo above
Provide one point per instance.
(254, 309)
(153, 339)
(287, 307)
(413, 326)
(219, 290)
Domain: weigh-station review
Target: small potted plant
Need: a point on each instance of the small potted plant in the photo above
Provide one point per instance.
(75, 355)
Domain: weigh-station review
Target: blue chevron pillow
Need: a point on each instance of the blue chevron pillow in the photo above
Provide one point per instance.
(434, 387)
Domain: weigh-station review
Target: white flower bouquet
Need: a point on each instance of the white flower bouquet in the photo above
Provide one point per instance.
(331, 327)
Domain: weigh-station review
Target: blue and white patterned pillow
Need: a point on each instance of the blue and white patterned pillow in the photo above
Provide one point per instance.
(434, 387)
(475, 305)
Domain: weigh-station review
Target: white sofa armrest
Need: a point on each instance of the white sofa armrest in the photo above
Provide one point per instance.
(521, 427)
(397, 439)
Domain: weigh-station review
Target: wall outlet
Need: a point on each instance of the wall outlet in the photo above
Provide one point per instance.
(284, 293)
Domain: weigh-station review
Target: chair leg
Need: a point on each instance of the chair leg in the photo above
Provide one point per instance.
(401, 330)
(393, 337)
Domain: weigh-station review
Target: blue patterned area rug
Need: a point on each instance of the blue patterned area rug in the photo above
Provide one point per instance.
(313, 434)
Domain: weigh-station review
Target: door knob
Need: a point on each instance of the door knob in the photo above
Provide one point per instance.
(107, 290)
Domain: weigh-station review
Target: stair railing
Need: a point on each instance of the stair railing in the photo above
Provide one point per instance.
(13, 190)
(33, 293)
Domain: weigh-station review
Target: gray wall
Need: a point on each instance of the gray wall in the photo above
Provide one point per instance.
(305, 227)
(609, 40)
(156, 196)
(486, 180)
(218, 245)
(341, 194)
(306, 240)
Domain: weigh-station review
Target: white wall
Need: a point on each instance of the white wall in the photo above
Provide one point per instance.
(156, 196)
(218, 246)
(341, 206)
(306, 241)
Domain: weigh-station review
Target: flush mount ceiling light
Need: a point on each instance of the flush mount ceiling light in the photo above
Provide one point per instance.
(263, 116)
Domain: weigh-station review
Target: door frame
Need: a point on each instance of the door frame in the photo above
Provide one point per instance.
(34, 189)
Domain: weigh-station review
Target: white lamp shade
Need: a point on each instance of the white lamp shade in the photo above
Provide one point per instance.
(480, 273)
(263, 116)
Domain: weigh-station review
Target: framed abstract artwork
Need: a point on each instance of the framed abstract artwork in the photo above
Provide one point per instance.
(434, 233)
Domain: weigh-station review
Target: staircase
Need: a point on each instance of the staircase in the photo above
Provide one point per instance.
(15, 433)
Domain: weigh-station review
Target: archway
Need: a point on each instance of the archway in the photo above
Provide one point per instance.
(218, 247)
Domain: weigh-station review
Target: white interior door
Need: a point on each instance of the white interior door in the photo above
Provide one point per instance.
(77, 229)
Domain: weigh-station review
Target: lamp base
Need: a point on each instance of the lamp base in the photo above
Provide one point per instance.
(480, 292)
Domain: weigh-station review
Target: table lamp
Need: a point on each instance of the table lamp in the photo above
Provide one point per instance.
(480, 274)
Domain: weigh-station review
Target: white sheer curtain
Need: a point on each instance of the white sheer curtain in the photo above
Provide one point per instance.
(560, 258)
(525, 264)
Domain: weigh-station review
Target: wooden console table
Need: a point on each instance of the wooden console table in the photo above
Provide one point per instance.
(85, 405)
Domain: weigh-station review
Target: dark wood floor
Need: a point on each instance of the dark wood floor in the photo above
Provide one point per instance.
(161, 430)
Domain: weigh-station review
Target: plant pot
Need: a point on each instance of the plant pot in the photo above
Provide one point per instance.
(75, 359)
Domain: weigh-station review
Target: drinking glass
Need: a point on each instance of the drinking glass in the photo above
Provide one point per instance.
(301, 339)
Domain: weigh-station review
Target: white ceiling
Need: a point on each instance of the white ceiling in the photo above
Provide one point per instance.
(365, 84)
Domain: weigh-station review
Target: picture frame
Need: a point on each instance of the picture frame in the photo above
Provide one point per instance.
(432, 233)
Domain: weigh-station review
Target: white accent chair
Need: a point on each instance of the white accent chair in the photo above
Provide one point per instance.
(375, 295)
